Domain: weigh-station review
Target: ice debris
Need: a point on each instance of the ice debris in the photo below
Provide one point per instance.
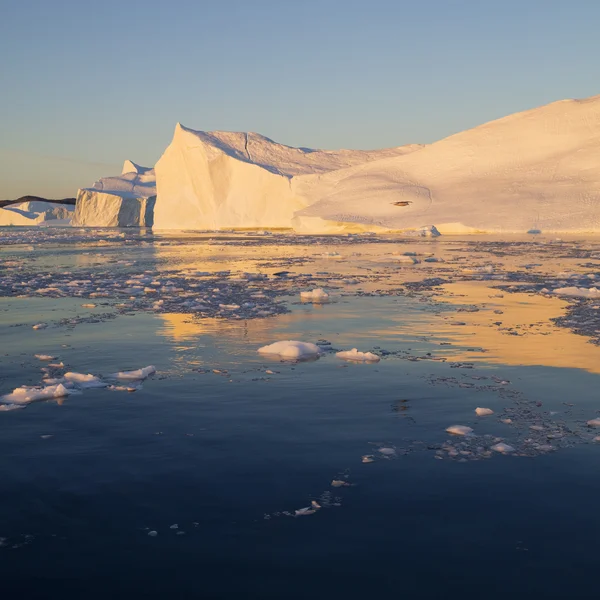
(502, 447)
(26, 394)
(355, 356)
(483, 412)
(459, 430)
(291, 350)
(135, 375)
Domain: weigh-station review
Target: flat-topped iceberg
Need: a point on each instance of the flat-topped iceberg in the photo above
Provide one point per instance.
(355, 356)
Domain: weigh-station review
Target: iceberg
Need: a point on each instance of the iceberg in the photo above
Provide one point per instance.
(125, 200)
(534, 166)
(34, 213)
(355, 356)
(223, 180)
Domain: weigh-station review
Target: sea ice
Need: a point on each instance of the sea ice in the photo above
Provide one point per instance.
(44, 357)
(26, 394)
(316, 295)
(459, 430)
(483, 412)
(291, 350)
(40, 326)
(580, 292)
(355, 356)
(84, 381)
(594, 423)
(135, 375)
(502, 447)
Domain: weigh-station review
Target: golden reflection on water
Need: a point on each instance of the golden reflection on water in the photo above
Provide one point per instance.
(539, 342)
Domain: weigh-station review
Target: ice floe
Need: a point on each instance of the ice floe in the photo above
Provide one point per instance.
(502, 447)
(26, 394)
(459, 430)
(483, 412)
(137, 375)
(291, 350)
(316, 295)
(355, 356)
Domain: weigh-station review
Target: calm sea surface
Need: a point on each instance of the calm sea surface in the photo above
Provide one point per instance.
(188, 487)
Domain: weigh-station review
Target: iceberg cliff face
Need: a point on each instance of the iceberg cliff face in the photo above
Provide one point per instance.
(126, 200)
(222, 179)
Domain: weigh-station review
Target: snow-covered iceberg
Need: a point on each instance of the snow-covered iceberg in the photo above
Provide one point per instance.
(220, 179)
(537, 166)
(126, 200)
(35, 212)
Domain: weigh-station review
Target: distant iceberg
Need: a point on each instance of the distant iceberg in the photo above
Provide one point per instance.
(126, 200)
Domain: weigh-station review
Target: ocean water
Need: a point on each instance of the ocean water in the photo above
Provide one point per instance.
(217, 450)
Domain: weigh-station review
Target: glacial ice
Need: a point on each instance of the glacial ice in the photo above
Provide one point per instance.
(483, 412)
(291, 350)
(317, 295)
(355, 356)
(137, 375)
(26, 394)
(459, 430)
(502, 447)
(125, 200)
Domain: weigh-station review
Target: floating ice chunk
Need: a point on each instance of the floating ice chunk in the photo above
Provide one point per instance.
(594, 423)
(291, 350)
(483, 412)
(459, 430)
(7, 407)
(152, 533)
(581, 292)
(40, 326)
(174, 526)
(305, 511)
(355, 356)
(44, 357)
(502, 447)
(315, 504)
(596, 439)
(336, 483)
(367, 458)
(135, 375)
(26, 394)
(88, 306)
(316, 295)
(84, 381)
(387, 451)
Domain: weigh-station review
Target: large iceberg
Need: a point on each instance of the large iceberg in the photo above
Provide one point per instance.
(219, 179)
(538, 168)
(125, 200)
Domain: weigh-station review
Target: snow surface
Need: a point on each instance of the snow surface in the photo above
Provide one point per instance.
(355, 356)
(291, 350)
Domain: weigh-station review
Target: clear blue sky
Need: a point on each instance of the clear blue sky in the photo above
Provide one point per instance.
(84, 85)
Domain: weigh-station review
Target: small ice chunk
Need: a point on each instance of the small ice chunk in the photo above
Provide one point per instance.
(387, 451)
(44, 357)
(83, 380)
(596, 439)
(336, 483)
(459, 430)
(483, 412)
(305, 511)
(291, 350)
(135, 375)
(152, 533)
(25, 394)
(368, 458)
(594, 423)
(316, 295)
(502, 447)
(40, 326)
(355, 356)
(174, 526)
